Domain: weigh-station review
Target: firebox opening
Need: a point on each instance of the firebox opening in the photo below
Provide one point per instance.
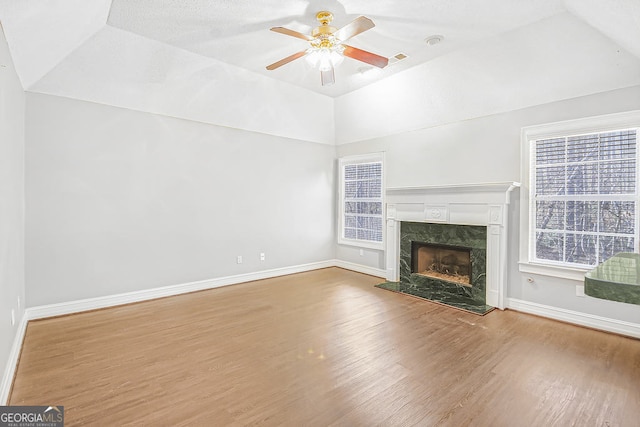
(450, 263)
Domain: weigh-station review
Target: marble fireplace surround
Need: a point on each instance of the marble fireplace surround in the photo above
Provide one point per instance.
(464, 204)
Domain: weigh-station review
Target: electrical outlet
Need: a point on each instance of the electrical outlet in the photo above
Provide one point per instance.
(580, 291)
(262, 258)
(361, 252)
(239, 259)
(13, 317)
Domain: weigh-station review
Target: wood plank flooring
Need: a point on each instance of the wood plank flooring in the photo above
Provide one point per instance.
(324, 348)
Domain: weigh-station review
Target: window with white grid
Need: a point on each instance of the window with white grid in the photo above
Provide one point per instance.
(361, 201)
(583, 197)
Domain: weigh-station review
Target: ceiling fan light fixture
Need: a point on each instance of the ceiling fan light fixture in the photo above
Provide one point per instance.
(327, 50)
(325, 58)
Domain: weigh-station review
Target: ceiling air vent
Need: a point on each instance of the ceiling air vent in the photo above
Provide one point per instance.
(397, 58)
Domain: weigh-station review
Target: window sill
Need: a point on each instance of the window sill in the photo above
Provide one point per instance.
(576, 274)
(361, 244)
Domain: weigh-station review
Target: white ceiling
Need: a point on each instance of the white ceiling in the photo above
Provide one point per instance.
(205, 60)
(237, 32)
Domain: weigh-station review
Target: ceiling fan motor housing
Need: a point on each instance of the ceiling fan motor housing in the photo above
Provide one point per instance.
(324, 30)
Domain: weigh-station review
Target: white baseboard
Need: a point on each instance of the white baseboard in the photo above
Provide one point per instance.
(575, 317)
(77, 306)
(12, 362)
(371, 271)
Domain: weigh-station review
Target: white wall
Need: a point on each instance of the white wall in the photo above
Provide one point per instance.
(119, 200)
(12, 287)
(123, 69)
(487, 149)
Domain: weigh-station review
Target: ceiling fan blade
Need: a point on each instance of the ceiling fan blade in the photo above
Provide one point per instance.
(286, 60)
(291, 33)
(327, 77)
(354, 28)
(364, 56)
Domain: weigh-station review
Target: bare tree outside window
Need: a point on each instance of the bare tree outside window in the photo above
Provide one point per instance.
(585, 192)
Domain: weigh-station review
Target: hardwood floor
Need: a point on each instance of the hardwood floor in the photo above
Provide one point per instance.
(324, 348)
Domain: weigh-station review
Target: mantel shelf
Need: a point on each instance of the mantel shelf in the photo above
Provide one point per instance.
(473, 187)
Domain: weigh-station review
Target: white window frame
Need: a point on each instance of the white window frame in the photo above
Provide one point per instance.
(342, 162)
(597, 124)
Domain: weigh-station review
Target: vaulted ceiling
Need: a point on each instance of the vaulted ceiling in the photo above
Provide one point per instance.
(205, 60)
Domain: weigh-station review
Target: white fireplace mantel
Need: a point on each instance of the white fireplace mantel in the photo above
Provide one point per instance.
(483, 204)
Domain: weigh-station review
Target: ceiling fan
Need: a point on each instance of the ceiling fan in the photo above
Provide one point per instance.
(327, 48)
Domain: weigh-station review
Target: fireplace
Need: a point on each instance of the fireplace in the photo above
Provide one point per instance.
(444, 262)
(472, 217)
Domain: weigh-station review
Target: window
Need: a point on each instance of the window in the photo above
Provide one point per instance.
(583, 191)
(361, 201)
